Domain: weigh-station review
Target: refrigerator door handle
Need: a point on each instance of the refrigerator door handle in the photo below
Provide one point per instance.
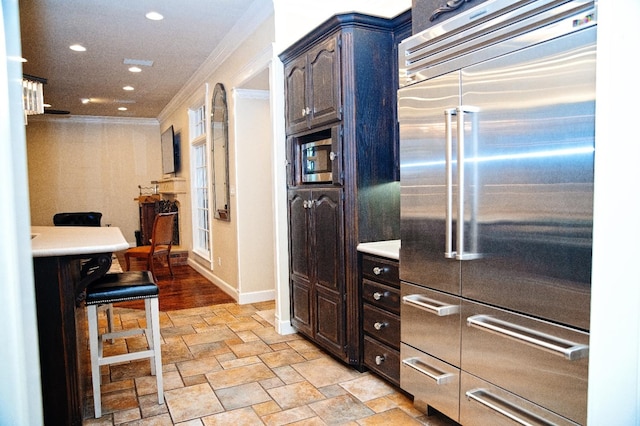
(569, 350)
(449, 253)
(461, 254)
(433, 306)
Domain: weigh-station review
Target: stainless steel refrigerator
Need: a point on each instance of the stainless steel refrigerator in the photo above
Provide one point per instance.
(496, 113)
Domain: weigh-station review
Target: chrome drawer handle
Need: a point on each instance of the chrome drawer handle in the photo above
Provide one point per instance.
(504, 407)
(556, 345)
(430, 305)
(379, 359)
(377, 295)
(440, 377)
(378, 270)
(379, 325)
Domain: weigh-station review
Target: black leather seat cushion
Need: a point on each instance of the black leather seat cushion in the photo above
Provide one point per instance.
(77, 219)
(130, 285)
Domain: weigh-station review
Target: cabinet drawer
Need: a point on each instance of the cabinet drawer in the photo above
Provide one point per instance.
(380, 269)
(431, 322)
(542, 362)
(430, 381)
(381, 295)
(382, 359)
(381, 325)
(481, 404)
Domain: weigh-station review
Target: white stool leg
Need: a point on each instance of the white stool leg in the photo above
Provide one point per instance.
(156, 346)
(92, 318)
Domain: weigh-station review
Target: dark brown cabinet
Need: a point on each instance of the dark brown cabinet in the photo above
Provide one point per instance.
(340, 84)
(313, 86)
(381, 316)
(317, 265)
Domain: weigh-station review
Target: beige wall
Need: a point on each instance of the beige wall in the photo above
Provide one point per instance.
(91, 164)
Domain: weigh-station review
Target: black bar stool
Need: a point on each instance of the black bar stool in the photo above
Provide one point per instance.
(121, 287)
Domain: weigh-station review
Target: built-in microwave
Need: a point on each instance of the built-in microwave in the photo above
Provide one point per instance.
(314, 158)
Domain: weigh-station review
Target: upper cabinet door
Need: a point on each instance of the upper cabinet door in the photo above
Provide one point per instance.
(325, 90)
(314, 87)
(296, 99)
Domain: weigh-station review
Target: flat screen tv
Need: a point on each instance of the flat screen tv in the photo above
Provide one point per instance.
(170, 144)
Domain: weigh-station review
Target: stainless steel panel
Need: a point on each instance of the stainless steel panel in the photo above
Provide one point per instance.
(529, 169)
(423, 195)
(483, 404)
(430, 381)
(431, 322)
(540, 361)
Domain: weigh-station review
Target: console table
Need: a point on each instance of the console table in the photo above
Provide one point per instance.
(65, 261)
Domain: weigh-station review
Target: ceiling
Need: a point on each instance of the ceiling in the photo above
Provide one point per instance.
(115, 32)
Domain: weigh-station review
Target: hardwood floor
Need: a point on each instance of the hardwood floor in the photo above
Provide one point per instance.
(186, 289)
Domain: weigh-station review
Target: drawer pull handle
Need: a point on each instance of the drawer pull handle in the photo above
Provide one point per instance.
(379, 359)
(504, 407)
(440, 377)
(556, 345)
(378, 270)
(379, 325)
(377, 295)
(430, 305)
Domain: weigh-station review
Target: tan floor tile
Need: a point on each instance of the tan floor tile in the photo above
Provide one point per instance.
(195, 380)
(209, 349)
(288, 374)
(130, 370)
(367, 387)
(119, 400)
(150, 407)
(340, 410)
(332, 390)
(244, 323)
(198, 366)
(234, 362)
(274, 382)
(313, 421)
(295, 395)
(239, 376)
(218, 335)
(270, 336)
(250, 348)
(242, 396)
(192, 402)
(240, 417)
(247, 336)
(265, 408)
(378, 405)
(177, 331)
(126, 416)
(289, 416)
(325, 371)
(280, 358)
(391, 417)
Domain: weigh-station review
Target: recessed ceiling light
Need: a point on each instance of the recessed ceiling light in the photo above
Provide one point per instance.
(77, 48)
(85, 100)
(46, 105)
(154, 16)
(122, 108)
(127, 88)
(135, 69)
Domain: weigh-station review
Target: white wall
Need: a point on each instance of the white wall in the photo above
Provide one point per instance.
(79, 163)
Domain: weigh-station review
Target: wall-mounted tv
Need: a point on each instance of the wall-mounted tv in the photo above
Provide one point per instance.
(170, 144)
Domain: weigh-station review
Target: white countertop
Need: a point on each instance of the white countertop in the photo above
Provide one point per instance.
(48, 241)
(389, 248)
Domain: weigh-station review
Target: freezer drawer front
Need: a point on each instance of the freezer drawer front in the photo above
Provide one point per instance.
(542, 362)
(483, 404)
(431, 322)
(430, 381)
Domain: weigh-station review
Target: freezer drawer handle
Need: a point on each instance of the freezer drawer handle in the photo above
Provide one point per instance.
(556, 345)
(440, 377)
(507, 409)
(430, 305)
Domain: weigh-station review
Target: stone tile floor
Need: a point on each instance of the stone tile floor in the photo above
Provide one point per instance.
(226, 365)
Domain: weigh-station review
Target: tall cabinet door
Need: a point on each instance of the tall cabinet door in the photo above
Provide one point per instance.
(295, 75)
(325, 83)
(300, 260)
(329, 256)
(423, 195)
(533, 178)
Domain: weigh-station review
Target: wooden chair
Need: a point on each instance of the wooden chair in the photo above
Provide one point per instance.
(161, 242)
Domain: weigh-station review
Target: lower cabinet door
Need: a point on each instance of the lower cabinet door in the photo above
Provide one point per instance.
(482, 403)
(382, 359)
(430, 381)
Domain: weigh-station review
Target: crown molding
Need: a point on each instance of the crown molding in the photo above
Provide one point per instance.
(255, 15)
(94, 119)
